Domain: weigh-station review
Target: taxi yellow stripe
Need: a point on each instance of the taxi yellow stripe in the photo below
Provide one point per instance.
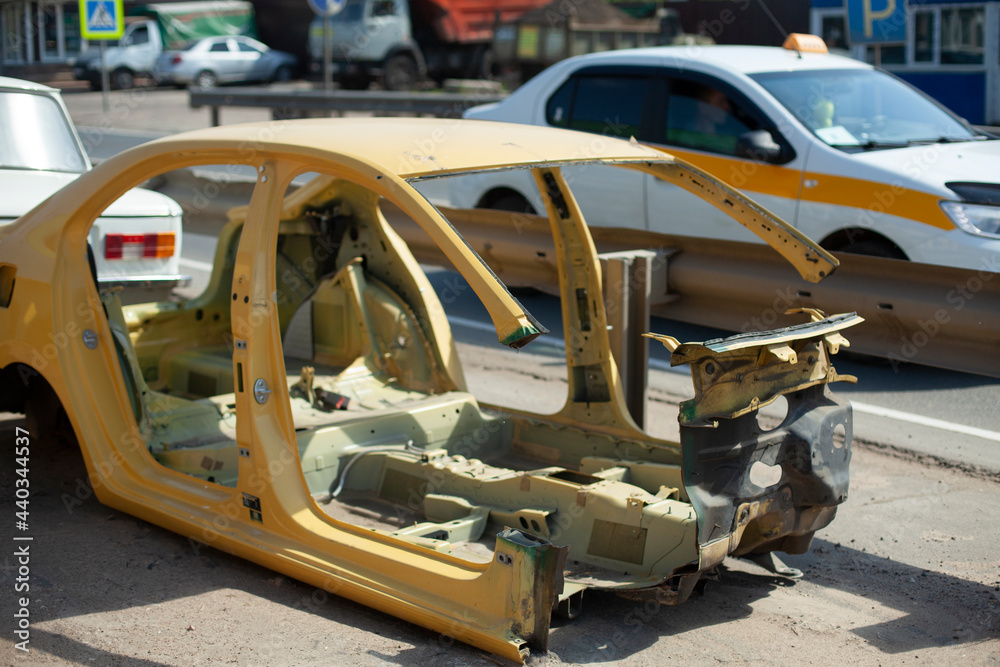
(871, 196)
(876, 198)
(744, 174)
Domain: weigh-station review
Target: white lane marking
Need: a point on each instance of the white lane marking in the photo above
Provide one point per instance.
(483, 326)
(195, 264)
(863, 408)
(940, 424)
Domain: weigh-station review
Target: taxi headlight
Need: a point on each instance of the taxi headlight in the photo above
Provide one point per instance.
(974, 218)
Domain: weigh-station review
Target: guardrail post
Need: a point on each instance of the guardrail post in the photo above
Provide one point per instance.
(634, 281)
(627, 295)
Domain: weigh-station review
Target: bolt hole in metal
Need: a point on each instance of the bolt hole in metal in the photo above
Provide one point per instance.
(764, 475)
(90, 339)
(839, 436)
(773, 414)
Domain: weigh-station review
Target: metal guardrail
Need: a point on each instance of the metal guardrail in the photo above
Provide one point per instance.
(287, 104)
(930, 315)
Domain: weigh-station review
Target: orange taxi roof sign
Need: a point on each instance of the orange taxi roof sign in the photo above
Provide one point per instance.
(804, 42)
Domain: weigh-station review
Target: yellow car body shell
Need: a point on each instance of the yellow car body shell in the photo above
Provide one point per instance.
(54, 324)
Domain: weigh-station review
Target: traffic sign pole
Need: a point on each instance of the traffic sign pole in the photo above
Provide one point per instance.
(105, 82)
(327, 53)
(326, 9)
(102, 20)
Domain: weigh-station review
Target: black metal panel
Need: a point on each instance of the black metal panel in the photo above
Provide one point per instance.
(813, 460)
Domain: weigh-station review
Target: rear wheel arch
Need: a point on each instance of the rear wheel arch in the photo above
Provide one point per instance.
(282, 73)
(25, 390)
(205, 79)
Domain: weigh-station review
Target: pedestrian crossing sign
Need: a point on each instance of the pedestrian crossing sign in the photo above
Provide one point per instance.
(101, 19)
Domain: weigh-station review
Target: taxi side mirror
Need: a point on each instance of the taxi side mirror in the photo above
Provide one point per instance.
(759, 145)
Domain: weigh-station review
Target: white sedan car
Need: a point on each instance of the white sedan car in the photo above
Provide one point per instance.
(227, 59)
(852, 156)
(135, 243)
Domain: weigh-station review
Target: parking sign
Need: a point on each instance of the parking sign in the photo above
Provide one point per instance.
(101, 19)
(876, 21)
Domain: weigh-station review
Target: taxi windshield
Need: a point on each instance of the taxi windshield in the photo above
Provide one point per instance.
(857, 109)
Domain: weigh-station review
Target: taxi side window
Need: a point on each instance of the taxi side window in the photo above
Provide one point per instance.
(703, 117)
(611, 105)
(558, 107)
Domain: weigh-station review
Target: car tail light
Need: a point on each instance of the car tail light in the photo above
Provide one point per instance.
(176, 60)
(139, 246)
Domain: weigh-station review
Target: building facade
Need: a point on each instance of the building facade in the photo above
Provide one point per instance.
(39, 31)
(952, 51)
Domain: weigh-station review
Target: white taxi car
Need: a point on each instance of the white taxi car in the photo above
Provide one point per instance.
(136, 243)
(851, 155)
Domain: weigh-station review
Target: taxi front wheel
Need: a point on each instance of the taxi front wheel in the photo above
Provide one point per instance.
(874, 248)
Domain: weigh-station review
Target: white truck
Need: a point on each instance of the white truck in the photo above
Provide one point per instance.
(151, 29)
(400, 42)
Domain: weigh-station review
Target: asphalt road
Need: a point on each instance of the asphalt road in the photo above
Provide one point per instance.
(948, 415)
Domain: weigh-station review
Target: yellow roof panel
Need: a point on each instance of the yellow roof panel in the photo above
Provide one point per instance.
(416, 147)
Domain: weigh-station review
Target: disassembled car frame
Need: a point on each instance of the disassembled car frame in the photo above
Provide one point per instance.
(309, 412)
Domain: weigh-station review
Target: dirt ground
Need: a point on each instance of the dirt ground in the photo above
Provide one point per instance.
(909, 573)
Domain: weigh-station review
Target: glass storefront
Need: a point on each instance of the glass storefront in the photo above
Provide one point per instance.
(962, 35)
(40, 32)
(14, 42)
